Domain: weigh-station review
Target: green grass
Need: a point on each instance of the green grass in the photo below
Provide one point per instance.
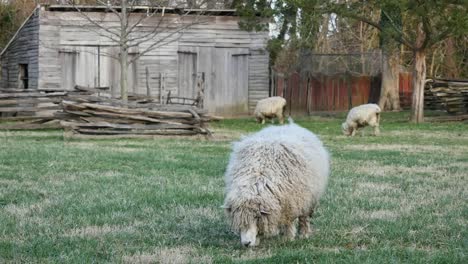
(398, 198)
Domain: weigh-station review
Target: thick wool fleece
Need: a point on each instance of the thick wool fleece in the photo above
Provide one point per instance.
(361, 116)
(275, 176)
(269, 108)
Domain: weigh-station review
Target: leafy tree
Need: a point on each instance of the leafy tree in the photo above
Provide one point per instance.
(427, 23)
(391, 24)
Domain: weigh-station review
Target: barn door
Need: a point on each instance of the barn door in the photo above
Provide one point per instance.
(79, 67)
(87, 66)
(229, 87)
(110, 71)
(68, 62)
(94, 66)
(187, 74)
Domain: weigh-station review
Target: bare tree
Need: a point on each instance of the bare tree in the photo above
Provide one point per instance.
(127, 35)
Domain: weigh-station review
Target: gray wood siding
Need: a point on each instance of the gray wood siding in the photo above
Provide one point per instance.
(234, 61)
(187, 74)
(258, 77)
(23, 49)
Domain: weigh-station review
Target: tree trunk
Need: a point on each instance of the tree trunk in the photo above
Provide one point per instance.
(419, 77)
(123, 74)
(390, 87)
(123, 53)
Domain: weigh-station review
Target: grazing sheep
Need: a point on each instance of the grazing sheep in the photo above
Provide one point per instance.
(269, 108)
(274, 177)
(361, 116)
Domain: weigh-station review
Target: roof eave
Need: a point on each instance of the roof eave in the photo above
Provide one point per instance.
(142, 9)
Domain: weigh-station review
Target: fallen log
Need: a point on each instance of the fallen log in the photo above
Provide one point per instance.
(126, 126)
(31, 95)
(137, 132)
(54, 124)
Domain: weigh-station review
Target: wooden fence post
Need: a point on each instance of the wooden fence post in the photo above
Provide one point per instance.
(148, 91)
(162, 86)
(201, 89)
(350, 92)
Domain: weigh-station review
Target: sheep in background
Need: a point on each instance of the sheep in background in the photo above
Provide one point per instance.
(269, 108)
(361, 116)
(274, 177)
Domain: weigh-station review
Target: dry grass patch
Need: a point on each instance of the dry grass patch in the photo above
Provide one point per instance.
(111, 174)
(174, 255)
(379, 215)
(200, 213)
(377, 187)
(96, 146)
(425, 134)
(227, 135)
(252, 254)
(453, 150)
(376, 169)
(23, 210)
(97, 231)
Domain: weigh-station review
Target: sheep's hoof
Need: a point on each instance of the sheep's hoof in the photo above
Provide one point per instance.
(304, 235)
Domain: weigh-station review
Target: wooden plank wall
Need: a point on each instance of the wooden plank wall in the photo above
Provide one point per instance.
(205, 38)
(323, 93)
(258, 77)
(406, 89)
(22, 50)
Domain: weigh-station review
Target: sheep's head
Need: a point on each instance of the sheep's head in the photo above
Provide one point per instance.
(345, 129)
(247, 218)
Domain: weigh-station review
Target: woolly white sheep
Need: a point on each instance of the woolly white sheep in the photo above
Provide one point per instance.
(269, 108)
(274, 177)
(361, 116)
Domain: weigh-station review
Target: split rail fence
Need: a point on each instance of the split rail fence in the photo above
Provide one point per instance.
(91, 111)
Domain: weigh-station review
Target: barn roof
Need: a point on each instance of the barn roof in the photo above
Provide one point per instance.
(144, 9)
(135, 9)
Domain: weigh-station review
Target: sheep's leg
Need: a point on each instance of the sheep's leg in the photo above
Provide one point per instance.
(353, 131)
(376, 130)
(304, 227)
(375, 124)
(280, 118)
(290, 231)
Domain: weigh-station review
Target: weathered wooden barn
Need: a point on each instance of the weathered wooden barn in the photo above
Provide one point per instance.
(58, 48)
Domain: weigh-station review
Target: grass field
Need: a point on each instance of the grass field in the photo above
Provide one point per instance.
(398, 198)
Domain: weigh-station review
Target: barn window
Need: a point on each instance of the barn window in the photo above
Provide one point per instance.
(23, 76)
